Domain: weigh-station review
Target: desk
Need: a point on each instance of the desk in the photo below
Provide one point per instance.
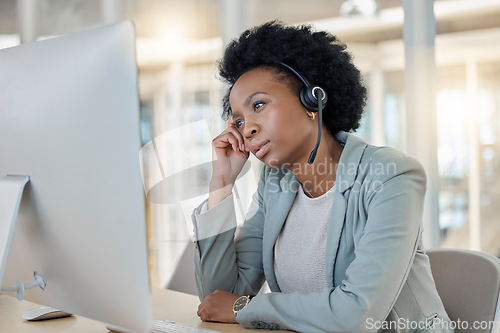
(167, 304)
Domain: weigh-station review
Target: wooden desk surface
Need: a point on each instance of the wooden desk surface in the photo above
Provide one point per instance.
(167, 304)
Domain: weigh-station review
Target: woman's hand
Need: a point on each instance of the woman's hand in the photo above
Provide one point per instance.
(229, 156)
(218, 306)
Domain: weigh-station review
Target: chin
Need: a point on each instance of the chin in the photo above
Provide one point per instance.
(274, 163)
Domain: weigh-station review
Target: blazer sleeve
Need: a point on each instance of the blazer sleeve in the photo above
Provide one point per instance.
(223, 261)
(383, 257)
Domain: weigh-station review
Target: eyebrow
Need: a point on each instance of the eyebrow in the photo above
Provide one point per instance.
(249, 98)
(236, 114)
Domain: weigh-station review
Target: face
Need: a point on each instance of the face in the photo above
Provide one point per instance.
(273, 122)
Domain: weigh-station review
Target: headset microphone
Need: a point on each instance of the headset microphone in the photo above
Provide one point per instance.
(313, 98)
(320, 126)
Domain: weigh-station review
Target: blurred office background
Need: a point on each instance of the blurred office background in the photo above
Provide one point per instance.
(434, 92)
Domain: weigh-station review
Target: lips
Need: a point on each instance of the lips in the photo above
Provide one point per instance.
(259, 148)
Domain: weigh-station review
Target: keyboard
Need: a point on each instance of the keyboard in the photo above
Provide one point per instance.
(168, 326)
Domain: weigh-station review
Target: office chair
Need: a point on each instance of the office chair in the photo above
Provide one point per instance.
(469, 285)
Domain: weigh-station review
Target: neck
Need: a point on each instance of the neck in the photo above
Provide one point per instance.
(319, 177)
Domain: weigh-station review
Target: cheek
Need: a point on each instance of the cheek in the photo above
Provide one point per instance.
(276, 121)
(287, 125)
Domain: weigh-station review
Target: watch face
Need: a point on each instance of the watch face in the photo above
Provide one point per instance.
(240, 303)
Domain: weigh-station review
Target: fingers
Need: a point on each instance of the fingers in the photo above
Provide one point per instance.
(202, 311)
(237, 135)
(231, 127)
(218, 306)
(231, 137)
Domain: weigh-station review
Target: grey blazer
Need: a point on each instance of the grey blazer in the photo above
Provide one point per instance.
(378, 274)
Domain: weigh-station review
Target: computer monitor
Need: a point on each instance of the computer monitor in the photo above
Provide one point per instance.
(69, 119)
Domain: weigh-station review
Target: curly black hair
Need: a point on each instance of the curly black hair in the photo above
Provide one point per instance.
(319, 56)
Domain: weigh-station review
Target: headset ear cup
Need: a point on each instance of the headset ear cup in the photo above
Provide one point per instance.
(309, 100)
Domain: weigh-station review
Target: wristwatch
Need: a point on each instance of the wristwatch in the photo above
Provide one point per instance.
(240, 303)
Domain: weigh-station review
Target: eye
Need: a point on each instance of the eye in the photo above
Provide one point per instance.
(238, 123)
(257, 105)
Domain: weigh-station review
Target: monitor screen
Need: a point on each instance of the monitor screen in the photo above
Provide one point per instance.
(69, 119)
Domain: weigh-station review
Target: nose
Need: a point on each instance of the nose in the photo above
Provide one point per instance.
(250, 129)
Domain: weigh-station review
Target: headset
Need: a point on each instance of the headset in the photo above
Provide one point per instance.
(313, 98)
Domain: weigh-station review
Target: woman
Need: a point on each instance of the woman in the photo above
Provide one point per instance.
(339, 239)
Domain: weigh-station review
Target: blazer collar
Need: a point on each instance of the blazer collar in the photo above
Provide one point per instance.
(279, 203)
(350, 159)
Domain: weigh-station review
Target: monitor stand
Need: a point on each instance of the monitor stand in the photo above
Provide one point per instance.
(11, 192)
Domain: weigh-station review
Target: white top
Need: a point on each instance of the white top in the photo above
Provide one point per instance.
(299, 253)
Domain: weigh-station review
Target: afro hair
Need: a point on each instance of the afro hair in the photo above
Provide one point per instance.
(319, 55)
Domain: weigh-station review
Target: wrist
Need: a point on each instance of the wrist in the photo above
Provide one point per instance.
(217, 193)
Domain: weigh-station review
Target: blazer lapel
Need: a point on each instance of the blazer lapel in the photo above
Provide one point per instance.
(335, 227)
(347, 172)
(279, 205)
